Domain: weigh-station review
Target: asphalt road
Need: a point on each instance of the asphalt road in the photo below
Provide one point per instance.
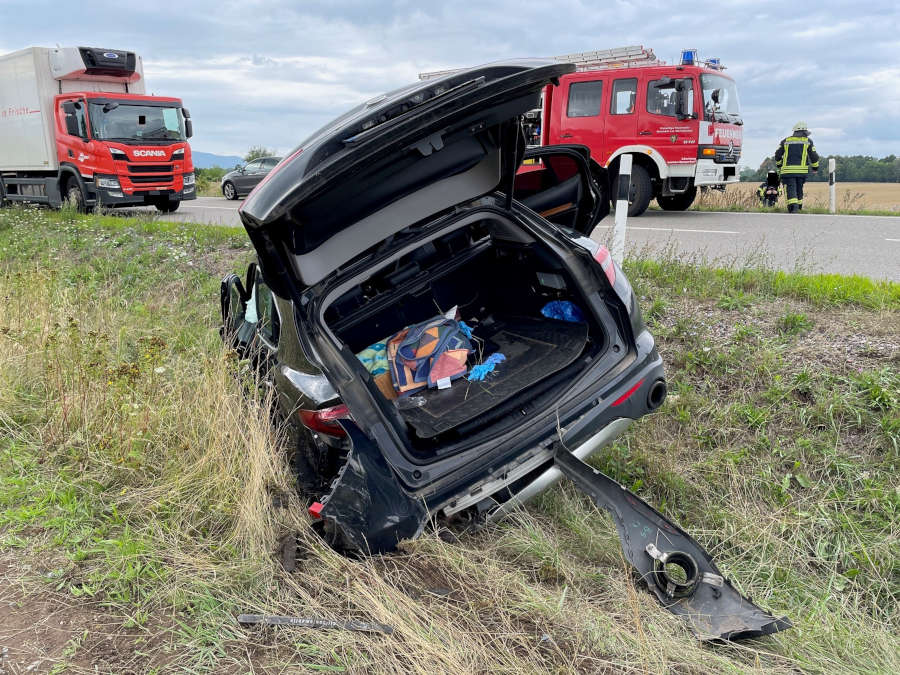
(864, 245)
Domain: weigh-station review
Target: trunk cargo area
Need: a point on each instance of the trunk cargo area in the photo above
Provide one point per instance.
(498, 281)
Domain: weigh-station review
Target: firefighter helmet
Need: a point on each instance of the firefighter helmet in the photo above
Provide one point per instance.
(801, 126)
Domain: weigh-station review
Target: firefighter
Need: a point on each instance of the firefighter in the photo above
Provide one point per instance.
(795, 157)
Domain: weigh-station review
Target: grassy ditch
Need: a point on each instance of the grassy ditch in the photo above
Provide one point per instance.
(143, 493)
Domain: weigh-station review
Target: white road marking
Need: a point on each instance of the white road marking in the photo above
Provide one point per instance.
(200, 206)
(676, 229)
(886, 239)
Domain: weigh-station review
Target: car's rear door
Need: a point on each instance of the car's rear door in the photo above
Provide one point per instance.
(557, 182)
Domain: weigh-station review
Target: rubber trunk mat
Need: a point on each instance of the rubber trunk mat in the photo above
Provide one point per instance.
(534, 349)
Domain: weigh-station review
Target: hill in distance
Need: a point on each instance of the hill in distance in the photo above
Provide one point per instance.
(206, 160)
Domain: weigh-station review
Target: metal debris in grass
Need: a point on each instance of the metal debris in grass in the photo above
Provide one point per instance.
(310, 622)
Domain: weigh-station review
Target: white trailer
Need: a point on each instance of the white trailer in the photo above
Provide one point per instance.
(29, 80)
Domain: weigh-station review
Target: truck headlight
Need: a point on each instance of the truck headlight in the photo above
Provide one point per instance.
(109, 183)
(188, 179)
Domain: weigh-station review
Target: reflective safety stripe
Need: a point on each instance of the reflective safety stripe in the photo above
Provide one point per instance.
(794, 200)
(790, 162)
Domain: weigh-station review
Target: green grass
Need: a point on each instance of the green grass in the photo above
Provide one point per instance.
(139, 474)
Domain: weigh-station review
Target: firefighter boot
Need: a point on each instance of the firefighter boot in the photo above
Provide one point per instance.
(793, 208)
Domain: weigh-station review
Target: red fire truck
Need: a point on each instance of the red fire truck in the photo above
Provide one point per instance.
(681, 123)
(76, 126)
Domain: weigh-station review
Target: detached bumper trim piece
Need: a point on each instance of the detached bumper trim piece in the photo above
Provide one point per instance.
(697, 591)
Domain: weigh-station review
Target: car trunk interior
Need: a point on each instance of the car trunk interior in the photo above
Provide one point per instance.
(499, 279)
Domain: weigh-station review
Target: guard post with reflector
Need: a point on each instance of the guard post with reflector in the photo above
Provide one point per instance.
(832, 199)
(623, 192)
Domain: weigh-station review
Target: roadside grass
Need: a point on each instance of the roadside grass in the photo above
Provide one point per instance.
(141, 480)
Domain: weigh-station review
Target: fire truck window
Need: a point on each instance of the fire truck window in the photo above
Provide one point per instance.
(664, 100)
(585, 99)
(624, 93)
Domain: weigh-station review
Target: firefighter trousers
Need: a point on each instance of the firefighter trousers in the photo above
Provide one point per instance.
(793, 185)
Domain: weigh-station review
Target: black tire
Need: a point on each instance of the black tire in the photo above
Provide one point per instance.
(74, 196)
(229, 190)
(641, 191)
(2, 194)
(167, 205)
(680, 202)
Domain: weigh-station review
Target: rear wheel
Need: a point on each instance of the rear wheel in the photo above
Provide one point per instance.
(167, 205)
(641, 190)
(229, 191)
(678, 202)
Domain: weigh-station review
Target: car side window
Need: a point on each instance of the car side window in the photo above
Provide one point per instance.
(624, 93)
(268, 323)
(585, 99)
(253, 167)
(269, 164)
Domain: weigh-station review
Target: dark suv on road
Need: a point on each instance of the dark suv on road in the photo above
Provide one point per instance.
(424, 202)
(242, 180)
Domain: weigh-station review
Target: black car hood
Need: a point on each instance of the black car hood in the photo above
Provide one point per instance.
(391, 162)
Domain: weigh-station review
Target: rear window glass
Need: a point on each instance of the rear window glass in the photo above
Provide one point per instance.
(585, 99)
(624, 93)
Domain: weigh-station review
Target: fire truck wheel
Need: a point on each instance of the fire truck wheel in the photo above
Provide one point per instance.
(678, 202)
(641, 190)
(75, 197)
(167, 205)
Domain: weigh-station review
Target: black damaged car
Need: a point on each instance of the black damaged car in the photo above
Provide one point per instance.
(444, 338)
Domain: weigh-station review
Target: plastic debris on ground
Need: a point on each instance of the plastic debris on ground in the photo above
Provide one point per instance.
(481, 371)
(563, 310)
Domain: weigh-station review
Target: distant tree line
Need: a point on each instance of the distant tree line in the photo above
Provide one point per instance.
(849, 169)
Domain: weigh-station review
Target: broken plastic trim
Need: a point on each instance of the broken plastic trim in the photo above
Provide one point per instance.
(367, 510)
(675, 567)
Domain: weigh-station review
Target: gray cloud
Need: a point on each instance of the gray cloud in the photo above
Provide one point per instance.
(270, 72)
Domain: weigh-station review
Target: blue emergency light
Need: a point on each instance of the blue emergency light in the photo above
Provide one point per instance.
(688, 57)
(714, 63)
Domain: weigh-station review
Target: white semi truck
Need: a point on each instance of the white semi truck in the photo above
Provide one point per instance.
(76, 126)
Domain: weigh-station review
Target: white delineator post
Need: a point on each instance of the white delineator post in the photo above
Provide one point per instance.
(832, 203)
(618, 239)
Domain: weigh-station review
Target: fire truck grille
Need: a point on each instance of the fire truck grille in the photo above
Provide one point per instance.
(160, 178)
(149, 168)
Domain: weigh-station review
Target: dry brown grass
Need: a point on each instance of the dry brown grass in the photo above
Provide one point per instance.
(850, 197)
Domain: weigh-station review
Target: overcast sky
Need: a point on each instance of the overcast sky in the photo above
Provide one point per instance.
(269, 72)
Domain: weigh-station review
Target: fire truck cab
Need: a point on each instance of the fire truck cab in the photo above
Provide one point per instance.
(681, 123)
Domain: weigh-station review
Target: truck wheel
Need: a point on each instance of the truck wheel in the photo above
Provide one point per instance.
(679, 202)
(229, 191)
(167, 205)
(641, 190)
(75, 197)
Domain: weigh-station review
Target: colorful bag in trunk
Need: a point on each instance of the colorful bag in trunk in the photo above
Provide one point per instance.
(429, 354)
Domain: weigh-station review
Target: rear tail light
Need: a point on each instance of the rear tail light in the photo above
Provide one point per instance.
(603, 257)
(325, 421)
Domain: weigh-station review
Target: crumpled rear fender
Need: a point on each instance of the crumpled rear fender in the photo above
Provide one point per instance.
(367, 510)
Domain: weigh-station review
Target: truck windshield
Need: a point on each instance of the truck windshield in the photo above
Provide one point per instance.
(136, 123)
(728, 109)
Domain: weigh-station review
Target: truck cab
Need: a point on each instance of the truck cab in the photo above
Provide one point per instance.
(82, 130)
(134, 148)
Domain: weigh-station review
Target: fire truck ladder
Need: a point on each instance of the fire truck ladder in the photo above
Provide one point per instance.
(619, 57)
